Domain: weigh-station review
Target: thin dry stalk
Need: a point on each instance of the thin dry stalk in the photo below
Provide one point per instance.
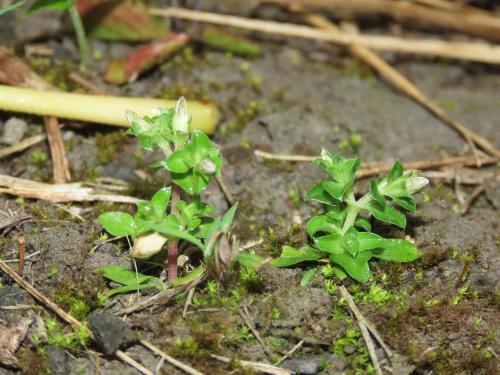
(86, 84)
(255, 366)
(75, 324)
(361, 318)
(472, 197)
(403, 84)
(189, 299)
(371, 347)
(480, 52)
(170, 359)
(246, 318)
(60, 164)
(22, 254)
(22, 145)
(223, 187)
(74, 192)
(290, 352)
(483, 24)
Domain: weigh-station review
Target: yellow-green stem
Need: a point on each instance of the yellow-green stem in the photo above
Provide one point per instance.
(109, 110)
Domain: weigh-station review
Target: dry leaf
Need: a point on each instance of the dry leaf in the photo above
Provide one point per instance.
(10, 340)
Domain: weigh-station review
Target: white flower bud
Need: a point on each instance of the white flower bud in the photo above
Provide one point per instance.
(208, 166)
(416, 183)
(181, 116)
(133, 117)
(148, 245)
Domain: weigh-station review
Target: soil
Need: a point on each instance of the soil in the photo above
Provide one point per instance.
(439, 314)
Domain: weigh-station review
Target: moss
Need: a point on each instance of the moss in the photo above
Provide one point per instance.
(33, 362)
(243, 116)
(108, 145)
(293, 236)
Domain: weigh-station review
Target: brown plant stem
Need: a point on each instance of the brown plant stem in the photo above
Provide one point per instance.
(173, 245)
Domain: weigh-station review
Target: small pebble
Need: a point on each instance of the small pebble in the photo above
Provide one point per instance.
(14, 130)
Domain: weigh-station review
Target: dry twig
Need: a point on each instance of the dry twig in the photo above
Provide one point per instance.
(22, 145)
(290, 352)
(246, 318)
(480, 52)
(255, 366)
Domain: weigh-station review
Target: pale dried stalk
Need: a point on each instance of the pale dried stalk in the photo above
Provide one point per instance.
(22, 145)
(75, 324)
(480, 52)
(255, 366)
(170, 359)
(402, 83)
(74, 192)
(483, 24)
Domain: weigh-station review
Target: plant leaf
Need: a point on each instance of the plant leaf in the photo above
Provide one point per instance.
(177, 161)
(11, 7)
(51, 4)
(175, 233)
(396, 171)
(117, 223)
(321, 223)
(319, 194)
(249, 260)
(363, 223)
(375, 194)
(368, 241)
(160, 200)
(191, 276)
(397, 250)
(291, 256)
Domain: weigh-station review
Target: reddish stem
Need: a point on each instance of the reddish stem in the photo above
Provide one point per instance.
(173, 250)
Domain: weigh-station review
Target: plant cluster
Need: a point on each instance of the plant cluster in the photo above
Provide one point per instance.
(192, 160)
(341, 236)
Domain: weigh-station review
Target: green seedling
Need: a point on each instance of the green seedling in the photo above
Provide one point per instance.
(130, 280)
(341, 236)
(192, 161)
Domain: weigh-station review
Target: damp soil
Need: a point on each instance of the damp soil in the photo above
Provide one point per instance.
(439, 314)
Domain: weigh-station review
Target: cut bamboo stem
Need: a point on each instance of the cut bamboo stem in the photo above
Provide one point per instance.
(479, 52)
(109, 110)
(402, 83)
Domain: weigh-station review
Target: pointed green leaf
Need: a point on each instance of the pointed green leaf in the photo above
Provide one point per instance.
(396, 171)
(321, 223)
(375, 194)
(249, 260)
(51, 4)
(177, 161)
(363, 223)
(11, 7)
(387, 214)
(368, 241)
(159, 201)
(319, 194)
(175, 233)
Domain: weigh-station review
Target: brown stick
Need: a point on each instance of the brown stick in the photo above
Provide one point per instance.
(22, 254)
(482, 24)
(402, 83)
(75, 324)
(13, 71)
(479, 52)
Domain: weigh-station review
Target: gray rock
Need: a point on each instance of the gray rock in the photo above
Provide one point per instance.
(14, 130)
(307, 365)
(58, 360)
(12, 296)
(110, 332)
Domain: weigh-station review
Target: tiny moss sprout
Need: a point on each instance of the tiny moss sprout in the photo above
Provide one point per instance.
(341, 236)
(177, 213)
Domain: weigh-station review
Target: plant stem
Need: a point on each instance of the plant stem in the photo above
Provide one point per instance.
(83, 45)
(173, 250)
(353, 209)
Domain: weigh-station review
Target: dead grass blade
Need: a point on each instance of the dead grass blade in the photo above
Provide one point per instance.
(479, 52)
(23, 145)
(255, 366)
(75, 192)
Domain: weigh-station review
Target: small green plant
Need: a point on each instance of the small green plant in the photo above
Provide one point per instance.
(192, 160)
(344, 237)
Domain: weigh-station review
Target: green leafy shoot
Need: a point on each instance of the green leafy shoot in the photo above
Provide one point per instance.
(130, 280)
(344, 238)
(11, 7)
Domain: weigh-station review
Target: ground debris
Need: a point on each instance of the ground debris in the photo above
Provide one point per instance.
(10, 340)
(110, 333)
